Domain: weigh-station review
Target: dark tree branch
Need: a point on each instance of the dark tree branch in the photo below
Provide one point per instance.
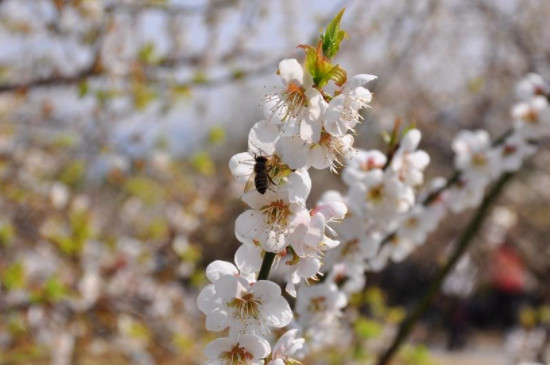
(463, 244)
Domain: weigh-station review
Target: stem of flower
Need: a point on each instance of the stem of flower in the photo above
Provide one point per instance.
(465, 240)
(266, 265)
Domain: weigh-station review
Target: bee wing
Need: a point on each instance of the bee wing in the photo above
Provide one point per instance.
(250, 184)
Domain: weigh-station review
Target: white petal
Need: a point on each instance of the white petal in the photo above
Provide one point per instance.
(266, 290)
(317, 157)
(230, 287)
(310, 130)
(291, 71)
(298, 186)
(249, 225)
(277, 312)
(242, 166)
(217, 321)
(208, 300)
(262, 138)
(220, 268)
(215, 348)
(256, 345)
(411, 140)
(359, 80)
(309, 266)
(248, 258)
(293, 151)
(332, 210)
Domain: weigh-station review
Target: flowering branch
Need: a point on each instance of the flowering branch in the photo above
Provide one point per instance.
(463, 244)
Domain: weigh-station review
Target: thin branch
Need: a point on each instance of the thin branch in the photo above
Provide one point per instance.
(172, 9)
(463, 244)
(266, 265)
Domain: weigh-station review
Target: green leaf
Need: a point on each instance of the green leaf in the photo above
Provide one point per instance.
(336, 74)
(333, 36)
(320, 68)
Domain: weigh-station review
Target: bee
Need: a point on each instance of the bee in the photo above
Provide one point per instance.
(260, 178)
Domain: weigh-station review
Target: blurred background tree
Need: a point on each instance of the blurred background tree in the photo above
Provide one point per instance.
(117, 119)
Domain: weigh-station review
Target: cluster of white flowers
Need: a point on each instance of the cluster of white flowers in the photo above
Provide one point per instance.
(390, 215)
(386, 212)
(304, 127)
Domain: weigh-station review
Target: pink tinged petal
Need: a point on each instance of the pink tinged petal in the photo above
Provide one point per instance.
(277, 312)
(332, 210)
(316, 230)
(291, 71)
(219, 268)
(249, 226)
(208, 300)
(220, 345)
(217, 321)
(309, 266)
(301, 215)
(262, 138)
(256, 345)
(248, 258)
(293, 151)
(242, 166)
(231, 287)
(359, 80)
(297, 240)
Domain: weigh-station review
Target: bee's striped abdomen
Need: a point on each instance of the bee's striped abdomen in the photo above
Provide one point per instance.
(261, 180)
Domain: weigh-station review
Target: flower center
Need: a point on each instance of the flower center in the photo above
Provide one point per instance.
(479, 159)
(276, 213)
(295, 101)
(350, 247)
(376, 194)
(246, 307)
(531, 116)
(509, 150)
(317, 305)
(394, 240)
(237, 356)
(335, 149)
(412, 222)
(277, 170)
